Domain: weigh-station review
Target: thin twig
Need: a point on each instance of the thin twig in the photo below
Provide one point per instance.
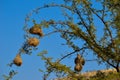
(70, 54)
(110, 34)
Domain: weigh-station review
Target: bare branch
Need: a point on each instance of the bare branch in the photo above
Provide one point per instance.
(71, 54)
(106, 25)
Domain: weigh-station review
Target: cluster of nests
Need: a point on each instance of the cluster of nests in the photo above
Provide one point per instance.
(79, 62)
(36, 30)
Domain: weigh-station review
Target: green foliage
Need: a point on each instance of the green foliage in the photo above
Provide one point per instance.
(12, 73)
(57, 67)
(99, 75)
(83, 26)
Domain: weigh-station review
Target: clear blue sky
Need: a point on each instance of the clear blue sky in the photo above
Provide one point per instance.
(12, 15)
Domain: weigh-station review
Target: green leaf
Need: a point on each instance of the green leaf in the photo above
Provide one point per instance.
(41, 70)
(42, 53)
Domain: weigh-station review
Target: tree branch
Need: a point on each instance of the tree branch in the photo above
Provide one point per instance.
(107, 28)
(70, 54)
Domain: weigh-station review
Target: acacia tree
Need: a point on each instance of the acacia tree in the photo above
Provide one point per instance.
(103, 40)
(94, 22)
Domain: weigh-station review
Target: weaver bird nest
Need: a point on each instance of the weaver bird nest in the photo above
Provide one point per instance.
(78, 67)
(36, 30)
(33, 42)
(79, 60)
(18, 60)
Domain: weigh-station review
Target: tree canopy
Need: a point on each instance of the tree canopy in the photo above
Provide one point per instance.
(95, 23)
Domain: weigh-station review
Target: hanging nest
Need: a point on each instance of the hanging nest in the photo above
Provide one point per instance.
(36, 30)
(78, 67)
(82, 61)
(18, 60)
(79, 60)
(33, 42)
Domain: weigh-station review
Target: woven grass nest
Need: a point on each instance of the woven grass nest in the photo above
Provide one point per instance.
(79, 60)
(36, 30)
(78, 67)
(18, 60)
(33, 42)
